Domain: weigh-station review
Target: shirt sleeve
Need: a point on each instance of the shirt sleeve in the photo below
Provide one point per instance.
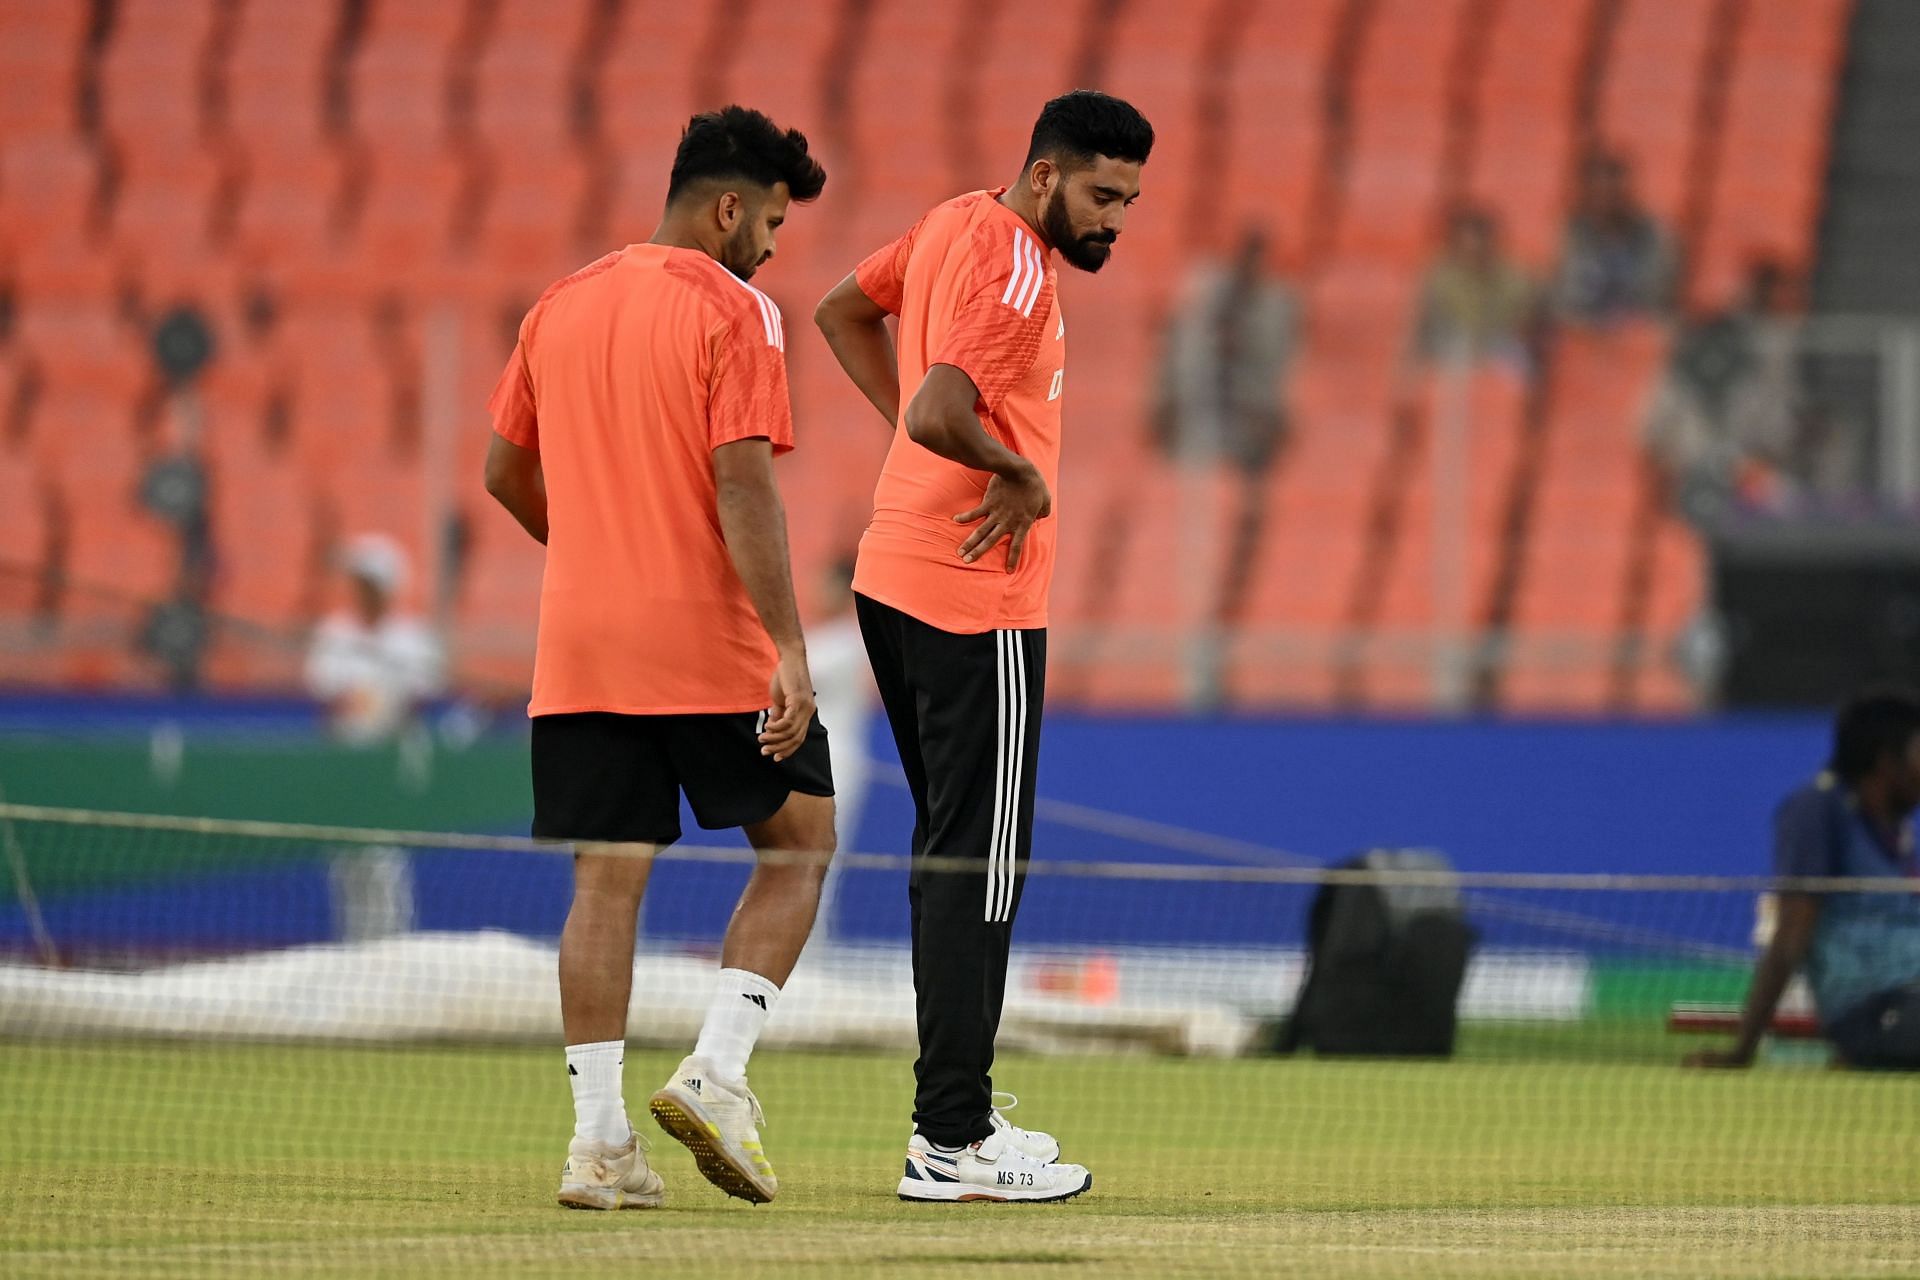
(995, 333)
(514, 418)
(747, 389)
(882, 275)
(1803, 836)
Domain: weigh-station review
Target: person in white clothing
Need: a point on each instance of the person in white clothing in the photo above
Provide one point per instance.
(372, 667)
(844, 693)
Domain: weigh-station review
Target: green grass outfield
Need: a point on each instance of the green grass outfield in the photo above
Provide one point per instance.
(1580, 1153)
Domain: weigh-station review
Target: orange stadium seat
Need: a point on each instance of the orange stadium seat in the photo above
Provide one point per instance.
(151, 79)
(1677, 593)
(118, 556)
(1028, 58)
(1157, 60)
(1175, 543)
(778, 64)
(41, 48)
(411, 212)
(25, 528)
(287, 214)
(1410, 601)
(897, 109)
(1299, 597)
(645, 93)
(49, 186)
(166, 210)
(265, 524)
(1571, 602)
(1522, 133)
(1650, 96)
(84, 342)
(523, 78)
(1779, 104)
(273, 84)
(1280, 64)
(1403, 97)
(531, 235)
(400, 79)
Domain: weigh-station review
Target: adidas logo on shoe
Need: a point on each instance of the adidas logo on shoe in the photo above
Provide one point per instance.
(692, 1082)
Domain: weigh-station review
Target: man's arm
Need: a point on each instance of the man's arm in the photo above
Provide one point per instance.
(1792, 936)
(516, 481)
(754, 523)
(940, 418)
(855, 327)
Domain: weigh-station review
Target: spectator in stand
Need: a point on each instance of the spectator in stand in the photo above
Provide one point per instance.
(1617, 261)
(1223, 369)
(1734, 417)
(1476, 304)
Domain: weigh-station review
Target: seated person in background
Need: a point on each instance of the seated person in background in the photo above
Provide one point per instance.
(1222, 372)
(1617, 261)
(1732, 413)
(1861, 950)
(1476, 304)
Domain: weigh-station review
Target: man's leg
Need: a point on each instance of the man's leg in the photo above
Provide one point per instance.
(775, 915)
(979, 711)
(602, 782)
(596, 944)
(885, 631)
(1884, 1033)
(786, 809)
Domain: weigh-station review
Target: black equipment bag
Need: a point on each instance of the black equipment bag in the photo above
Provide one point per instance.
(1385, 964)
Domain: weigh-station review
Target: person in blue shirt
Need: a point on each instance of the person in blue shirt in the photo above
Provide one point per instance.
(1861, 950)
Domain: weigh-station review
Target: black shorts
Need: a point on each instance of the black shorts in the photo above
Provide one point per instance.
(598, 776)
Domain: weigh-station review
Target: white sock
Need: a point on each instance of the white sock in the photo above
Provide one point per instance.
(599, 1112)
(739, 1010)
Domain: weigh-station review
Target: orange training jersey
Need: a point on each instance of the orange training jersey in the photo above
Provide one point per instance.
(974, 288)
(627, 376)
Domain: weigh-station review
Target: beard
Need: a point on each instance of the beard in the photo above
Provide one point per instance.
(1089, 252)
(741, 258)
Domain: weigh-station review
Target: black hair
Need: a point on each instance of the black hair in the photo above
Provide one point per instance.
(1076, 127)
(739, 144)
(1872, 725)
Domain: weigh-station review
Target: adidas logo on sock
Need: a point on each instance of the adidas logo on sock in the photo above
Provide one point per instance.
(572, 1070)
(757, 998)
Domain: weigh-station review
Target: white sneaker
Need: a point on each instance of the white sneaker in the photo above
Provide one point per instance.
(991, 1169)
(601, 1176)
(720, 1123)
(1029, 1142)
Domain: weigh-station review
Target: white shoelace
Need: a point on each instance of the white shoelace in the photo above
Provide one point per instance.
(1000, 1111)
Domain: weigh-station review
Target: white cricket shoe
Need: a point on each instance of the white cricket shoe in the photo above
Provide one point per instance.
(1029, 1142)
(720, 1123)
(991, 1169)
(599, 1175)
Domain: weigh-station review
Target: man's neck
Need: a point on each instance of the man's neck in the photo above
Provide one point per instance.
(1020, 198)
(676, 233)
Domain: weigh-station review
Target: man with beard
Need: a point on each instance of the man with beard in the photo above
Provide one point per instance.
(954, 618)
(635, 428)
